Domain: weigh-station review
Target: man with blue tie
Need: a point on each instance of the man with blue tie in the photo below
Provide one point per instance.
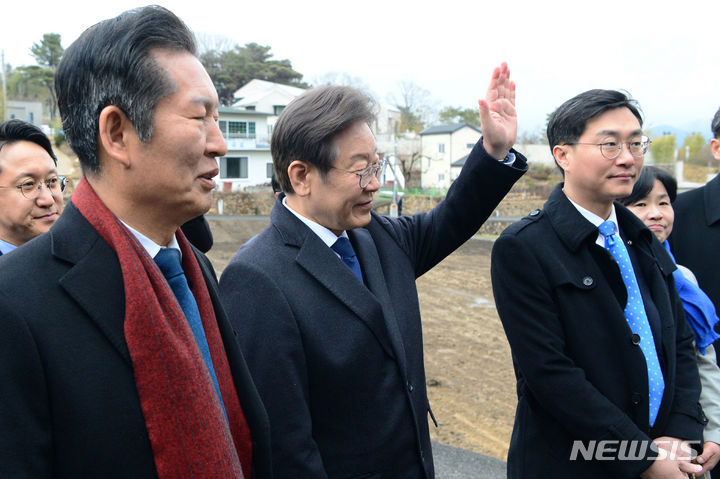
(116, 357)
(606, 377)
(324, 300)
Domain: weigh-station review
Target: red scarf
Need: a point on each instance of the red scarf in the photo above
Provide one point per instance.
(188, 431)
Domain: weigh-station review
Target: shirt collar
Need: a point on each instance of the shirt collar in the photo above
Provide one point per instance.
(597, 220)
(149, 245)
(327, 236)
(6, 247)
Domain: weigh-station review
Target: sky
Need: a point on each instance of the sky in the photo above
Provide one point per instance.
(666, 55)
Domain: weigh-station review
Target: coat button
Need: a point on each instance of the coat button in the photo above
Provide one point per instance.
(410, 386)
(703, 417)
(635, 339)
(636, 398)
(588, 281)
(535, 213)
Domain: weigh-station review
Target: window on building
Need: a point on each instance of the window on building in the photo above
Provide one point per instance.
(237, 129)
(250, 107)
(277, 109)
(268, 170)
(470, 146)
(441, 148)
(234, 167)
(441, 177)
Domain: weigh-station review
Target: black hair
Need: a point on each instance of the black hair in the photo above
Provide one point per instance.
(12, 131)
(307, 127)
(568, 122)
(275, 185)
(112, 63)
(645, 183)
(715, 125)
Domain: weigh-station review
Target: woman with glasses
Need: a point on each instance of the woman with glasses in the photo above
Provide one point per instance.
(651, 201)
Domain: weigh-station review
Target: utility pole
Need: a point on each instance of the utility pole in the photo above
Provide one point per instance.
(4, 86)
(393, 166)
(395, 176)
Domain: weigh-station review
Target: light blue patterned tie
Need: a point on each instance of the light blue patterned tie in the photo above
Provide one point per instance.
(637, 316)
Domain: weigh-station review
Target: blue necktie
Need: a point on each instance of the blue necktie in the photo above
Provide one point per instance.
(636, 316)
(168, 260)
(343, 247)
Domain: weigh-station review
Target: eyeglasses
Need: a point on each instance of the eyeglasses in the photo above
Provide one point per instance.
(611, 149)
(366, 175)
(30, 189)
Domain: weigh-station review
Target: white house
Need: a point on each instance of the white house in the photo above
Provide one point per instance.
(389, 140)
(441, 146)
(248, 124)
(267, 97)
(247, 127)
(248, 161)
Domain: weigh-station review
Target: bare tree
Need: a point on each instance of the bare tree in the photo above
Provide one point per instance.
(536, 137)
(416, 106)
(212, 42)
(408, 165)
(342, 79)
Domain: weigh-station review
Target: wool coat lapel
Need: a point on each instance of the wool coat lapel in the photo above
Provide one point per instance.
(320, 262)
(94, 279)
(376, 282)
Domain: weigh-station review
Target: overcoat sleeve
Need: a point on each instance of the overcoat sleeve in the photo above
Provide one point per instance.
(26, 439)
(483, 182)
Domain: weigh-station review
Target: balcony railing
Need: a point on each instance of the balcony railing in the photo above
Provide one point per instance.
(246, 142)
(241, 136)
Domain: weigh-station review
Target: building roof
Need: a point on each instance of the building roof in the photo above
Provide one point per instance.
(255, 90)
(460, 162)
(448, 129)
(241, 111)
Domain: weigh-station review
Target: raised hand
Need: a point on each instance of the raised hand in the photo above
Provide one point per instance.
(497, 114)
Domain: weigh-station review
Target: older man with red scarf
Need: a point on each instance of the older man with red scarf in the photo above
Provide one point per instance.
(116, 358)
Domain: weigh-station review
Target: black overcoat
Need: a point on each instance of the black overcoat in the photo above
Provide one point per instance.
(580, 374)
(695, 239)
(69, 407)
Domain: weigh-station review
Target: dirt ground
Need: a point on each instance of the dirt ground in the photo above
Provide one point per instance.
(471, 383)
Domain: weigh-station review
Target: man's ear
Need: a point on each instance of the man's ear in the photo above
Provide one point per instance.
(562, 155)
(301, 177)
(715, 148)
(115, 135)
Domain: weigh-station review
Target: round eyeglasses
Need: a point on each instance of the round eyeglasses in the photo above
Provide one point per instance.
(30, 189)
(366, 175)
(612, 148)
